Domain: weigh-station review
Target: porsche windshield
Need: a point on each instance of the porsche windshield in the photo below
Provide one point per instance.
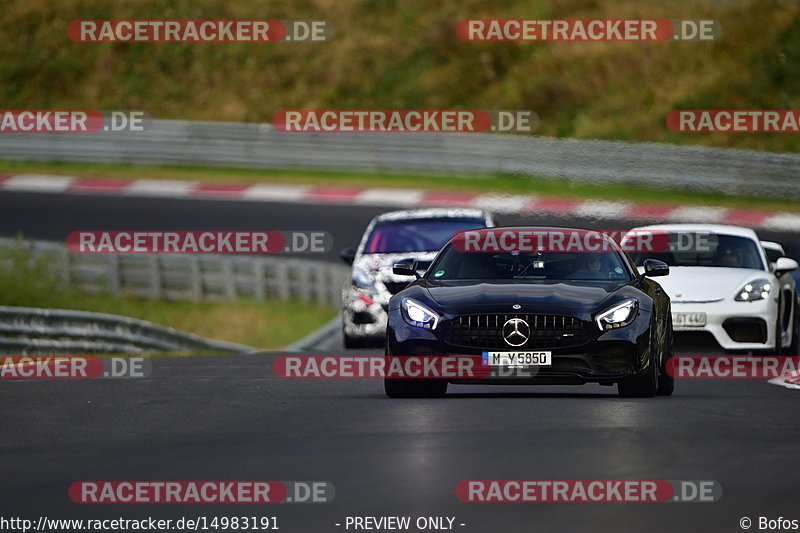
(715, 250)
(453, 265)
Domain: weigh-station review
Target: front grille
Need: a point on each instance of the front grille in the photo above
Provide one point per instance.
(546, 331)
(396, 286)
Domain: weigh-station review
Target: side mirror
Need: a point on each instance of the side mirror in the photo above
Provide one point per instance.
(654, 268)
(423, 265)
(784, 265)
(406, 267)
(348, 255)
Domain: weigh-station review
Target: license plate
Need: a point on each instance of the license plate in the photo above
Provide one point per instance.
(688, 320)
(517, 359)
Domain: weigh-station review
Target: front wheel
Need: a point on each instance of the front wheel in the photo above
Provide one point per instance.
(644, 385)
(779, 348)
(794, 348)
(666, 383)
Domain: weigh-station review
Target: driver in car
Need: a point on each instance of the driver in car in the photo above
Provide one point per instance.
(592, 262)
(729, 258)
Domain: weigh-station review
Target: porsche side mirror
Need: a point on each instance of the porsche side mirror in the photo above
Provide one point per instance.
(784, 265)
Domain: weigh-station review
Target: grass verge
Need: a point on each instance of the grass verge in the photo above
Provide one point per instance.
(477, 183)
(28, 281)
(406, 55)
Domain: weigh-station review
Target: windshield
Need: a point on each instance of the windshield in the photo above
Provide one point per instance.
(728, 251)
(418, 235)
(453, 265)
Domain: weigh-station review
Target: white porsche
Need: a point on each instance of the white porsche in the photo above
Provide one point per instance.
(721, 283)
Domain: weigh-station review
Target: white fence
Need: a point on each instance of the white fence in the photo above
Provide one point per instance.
(195, 277)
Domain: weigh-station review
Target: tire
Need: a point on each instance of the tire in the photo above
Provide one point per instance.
(666, 383)
(644, 385)
(779, 349)
(794, 348)
(414, 388)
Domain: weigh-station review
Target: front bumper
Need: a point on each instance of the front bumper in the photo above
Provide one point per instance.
(614, 356)
(735, 325)
(364, 313)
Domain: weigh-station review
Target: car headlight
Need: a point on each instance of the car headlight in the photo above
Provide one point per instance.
(362, 280)
(755, 290)
(618, 315)
(418, 315)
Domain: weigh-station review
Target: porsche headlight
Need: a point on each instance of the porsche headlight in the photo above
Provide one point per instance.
(618, 315)
(362, 280)
(418, 315)
(757, 289)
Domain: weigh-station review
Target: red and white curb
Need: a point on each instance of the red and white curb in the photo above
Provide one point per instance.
(402, 198)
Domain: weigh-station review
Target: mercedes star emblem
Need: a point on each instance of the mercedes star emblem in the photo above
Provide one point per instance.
(516, 332)
(516, 306)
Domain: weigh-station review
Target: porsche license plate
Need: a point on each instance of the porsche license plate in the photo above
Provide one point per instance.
(688, 320)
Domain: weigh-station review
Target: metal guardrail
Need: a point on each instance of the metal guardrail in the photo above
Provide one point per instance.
(194, 277)
(179, 142)
(33, 331)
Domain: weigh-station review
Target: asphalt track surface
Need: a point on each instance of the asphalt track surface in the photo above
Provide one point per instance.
(229, 417)
(53, 216)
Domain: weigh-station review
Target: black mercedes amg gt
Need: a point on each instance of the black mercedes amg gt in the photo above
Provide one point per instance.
(535, 311)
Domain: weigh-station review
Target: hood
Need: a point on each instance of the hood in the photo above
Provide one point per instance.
(704, 284)
(564, 297)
